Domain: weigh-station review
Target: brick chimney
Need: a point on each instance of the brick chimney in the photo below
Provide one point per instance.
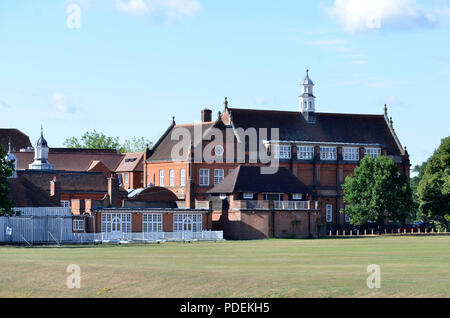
(55, 189)
(113, 191)
(206, 115)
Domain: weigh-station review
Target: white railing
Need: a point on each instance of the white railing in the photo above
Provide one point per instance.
(274, 205)
(291, 205)
(148, 237)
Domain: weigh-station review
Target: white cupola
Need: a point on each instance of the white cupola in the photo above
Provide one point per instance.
(308, 100)
(11, 157)
(41, 155)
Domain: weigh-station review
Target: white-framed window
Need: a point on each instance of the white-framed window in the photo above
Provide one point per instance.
(204, 177)
(187, 222)
(350, 153)
(374, 152)
(127, 177)
(219, 175)
(161, 178)
(248, 196)
(116, 222)
(152, 222)
(347, 218)
(65, 203)
(172, 178)
(305, 152)
(182, 177)
(297, 196)
(329, 213)
(282, 151)
(78, 225)
(328, 153)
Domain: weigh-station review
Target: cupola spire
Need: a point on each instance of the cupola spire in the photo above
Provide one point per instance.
(41, 154)
(308, 100)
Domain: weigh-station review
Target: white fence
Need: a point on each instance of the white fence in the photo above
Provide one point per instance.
(35, 229)
(148, 237)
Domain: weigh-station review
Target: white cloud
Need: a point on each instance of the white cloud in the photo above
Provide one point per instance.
(260, 100)
(3, 104)
(62, 103)
(366, 15)
(133, 6)
(169, 10)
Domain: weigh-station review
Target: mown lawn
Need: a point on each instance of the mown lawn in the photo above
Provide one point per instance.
(411, 267)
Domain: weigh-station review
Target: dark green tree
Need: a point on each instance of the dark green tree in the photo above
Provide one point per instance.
(377, 191)
(416, 215)
(6, 170)
(93, 140)
(433, 191)
(136, 145)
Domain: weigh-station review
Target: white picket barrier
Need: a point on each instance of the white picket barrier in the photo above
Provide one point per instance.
(147, 237)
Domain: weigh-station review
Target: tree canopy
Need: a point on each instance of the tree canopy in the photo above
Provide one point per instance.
(93, 140)
(136, 145)
(6, 170)
(376, 191)
(433, 191)
(96, 140)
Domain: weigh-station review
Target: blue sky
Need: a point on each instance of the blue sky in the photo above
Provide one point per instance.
(133, 64)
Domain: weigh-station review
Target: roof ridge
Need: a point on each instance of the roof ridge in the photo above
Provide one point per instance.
(298, 112)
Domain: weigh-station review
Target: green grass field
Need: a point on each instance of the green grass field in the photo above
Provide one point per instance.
(411, 267)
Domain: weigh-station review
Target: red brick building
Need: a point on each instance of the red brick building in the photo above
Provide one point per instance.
(250, 205)
(320, 149)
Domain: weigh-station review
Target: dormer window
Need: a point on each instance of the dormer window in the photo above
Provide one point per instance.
(305, 152)
(282, 151)
(374, 152)
(350, 153)
(328, 153)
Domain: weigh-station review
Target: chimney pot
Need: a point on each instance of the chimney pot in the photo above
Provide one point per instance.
(113, 191)
(206, 115)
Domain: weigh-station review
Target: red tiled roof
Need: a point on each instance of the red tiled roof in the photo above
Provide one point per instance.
(73, 159)
(131, 162)
(250, 179)
(18, 139)
(163, 148)
(70, 181)
(23, 194)
(330, 128)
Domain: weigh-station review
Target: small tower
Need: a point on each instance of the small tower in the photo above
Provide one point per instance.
(11, 157)
(41, 155)
(308, 100)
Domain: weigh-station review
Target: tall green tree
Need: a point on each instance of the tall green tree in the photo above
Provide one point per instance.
(6, 170)
(433, 190)
(136, 145)
(93, 140)
(96, 140)
(377, 191)
(416, 214)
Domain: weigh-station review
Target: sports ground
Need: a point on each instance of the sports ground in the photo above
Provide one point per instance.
(411, 266)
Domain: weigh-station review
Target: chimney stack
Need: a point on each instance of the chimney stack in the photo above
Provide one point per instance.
(55, 189)
(113, 191)
(206, 115)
